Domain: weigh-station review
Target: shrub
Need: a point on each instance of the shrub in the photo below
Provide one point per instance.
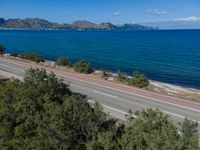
(138, 80)
(2, 49)
(14, 54)
(83, 67)
(62, 61)
(32, 56)
(121, 76)
(105, 74)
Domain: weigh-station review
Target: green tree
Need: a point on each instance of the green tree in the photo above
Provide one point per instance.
(2, 49)
(14, 54)
(189, 135)
(151, 129)
(121, 76)
(138, 80)
(42, 113)
(83, 67)
(62, 61)
(32, 56)
(105, 74)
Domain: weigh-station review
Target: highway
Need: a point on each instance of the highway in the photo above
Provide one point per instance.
(114, 99)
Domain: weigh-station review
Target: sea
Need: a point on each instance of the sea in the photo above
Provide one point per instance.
(169, 56)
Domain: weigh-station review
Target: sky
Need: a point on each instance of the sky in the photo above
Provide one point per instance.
(114, 11)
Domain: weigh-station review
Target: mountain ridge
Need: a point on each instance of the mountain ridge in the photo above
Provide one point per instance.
(43, 24)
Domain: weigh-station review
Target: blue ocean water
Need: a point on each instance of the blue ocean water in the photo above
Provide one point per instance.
(171, 56)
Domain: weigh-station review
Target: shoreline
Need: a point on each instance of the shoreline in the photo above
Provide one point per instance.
(162, 88)
(169, 89)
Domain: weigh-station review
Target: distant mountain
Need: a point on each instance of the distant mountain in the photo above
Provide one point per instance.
(136, 26)
(37, 23)
(174, 24)
(28, 23)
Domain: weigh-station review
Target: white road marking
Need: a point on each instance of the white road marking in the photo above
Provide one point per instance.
(125, 113)
(104, 94)
(117, 110)
(11, 67)
(180, 116)
(177, 105)
(6, 74)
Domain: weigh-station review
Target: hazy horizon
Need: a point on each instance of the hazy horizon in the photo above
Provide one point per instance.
(117, 12)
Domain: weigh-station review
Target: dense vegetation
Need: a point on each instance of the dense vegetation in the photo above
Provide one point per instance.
(2, 49)
(43, 113)
(121, 76)
(138, 80)
(83, 67)
(62, 61)
(32, 56)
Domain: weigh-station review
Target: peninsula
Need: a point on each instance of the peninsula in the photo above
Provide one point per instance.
(42, 24)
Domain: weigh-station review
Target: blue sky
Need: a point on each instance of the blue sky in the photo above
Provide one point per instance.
(115, 11)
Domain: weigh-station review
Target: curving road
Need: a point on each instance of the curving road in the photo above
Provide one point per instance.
(116, 99)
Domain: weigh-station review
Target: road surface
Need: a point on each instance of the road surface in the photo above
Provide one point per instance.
(115, 98)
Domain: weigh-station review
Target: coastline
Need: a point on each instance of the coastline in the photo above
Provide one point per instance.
(162, 88)
(168, 89)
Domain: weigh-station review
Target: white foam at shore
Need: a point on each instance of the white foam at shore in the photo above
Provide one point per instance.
(173, 88)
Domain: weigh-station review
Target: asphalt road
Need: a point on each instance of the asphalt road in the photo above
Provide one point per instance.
(116, 102)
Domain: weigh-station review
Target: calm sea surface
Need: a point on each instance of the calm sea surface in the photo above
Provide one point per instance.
(171, 56)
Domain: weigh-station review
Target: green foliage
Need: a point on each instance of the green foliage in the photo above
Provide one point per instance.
(43, 113)
(109, 139)
(62, 61)
(2, 49)
(150, 130)
(83, 67)
(189, 135)
(121, 76)
(138, 80)
(14, 54)
(32, 56)
(105, 74)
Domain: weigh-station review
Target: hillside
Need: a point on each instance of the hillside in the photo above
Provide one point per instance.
(37, 23)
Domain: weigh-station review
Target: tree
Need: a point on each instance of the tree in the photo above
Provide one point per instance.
(121, 76)
(138, 80)
(14, 54)
(2, 49)
(62, 61)
(32, 56)
(42, 113)
(83, 67)
(189, 135)
(105, 74)
(150, 129)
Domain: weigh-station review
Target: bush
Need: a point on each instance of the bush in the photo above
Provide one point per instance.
(43, 113)
(105, 74)
(32, 56)
(121, 76)
(83, 67)
(14, 54)
(62, 61)
(138, 80)
(2, 49)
